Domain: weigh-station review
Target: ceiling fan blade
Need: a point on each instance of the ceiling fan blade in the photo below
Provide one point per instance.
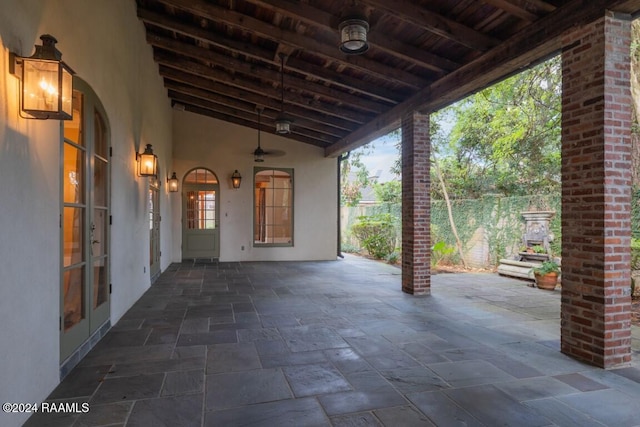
(274, 153)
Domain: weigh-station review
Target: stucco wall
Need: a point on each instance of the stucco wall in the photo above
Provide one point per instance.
(222, 147)
(103, 41)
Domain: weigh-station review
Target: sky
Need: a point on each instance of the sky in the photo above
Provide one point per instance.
(384, 152)
(381, 158)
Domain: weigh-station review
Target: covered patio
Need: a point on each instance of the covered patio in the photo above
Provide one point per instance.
(338, 343)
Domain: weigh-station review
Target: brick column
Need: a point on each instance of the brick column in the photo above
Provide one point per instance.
(416, 209)
(596, 193)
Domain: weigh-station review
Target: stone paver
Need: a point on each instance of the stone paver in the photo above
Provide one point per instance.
(339, 344)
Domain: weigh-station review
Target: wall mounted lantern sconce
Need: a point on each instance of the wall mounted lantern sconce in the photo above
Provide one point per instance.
(147, 162)
(353, 34)
(236, 179)
(47, 82)
(173, 183)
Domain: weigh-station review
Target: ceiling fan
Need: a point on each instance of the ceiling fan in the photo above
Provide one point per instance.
(259, 153)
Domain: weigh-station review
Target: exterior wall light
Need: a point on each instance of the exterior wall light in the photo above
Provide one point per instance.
(47, 82)
(147, 162)
(236, 179)
(173, 183)
(353, 34)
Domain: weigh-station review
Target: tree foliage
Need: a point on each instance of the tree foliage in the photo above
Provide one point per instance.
(505, 139)
(354, 176)
(388, 192)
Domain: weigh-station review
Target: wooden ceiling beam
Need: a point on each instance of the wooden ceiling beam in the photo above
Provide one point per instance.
(250, 124)
(319, 113)
(248, 50)
(263, 73)
(537, 41)
(213, 74)
(329, 23)
(250, 107)
(529, 10)
(269, 31)
(631, 7)
(435, 23)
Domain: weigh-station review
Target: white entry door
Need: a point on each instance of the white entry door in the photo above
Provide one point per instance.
(154, 230)
(200, 215)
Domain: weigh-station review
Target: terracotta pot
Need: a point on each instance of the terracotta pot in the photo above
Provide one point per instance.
(547, 282)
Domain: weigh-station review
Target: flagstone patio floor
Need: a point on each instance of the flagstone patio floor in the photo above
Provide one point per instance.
(337, 343)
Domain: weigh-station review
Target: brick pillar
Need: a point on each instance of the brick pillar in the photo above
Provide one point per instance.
(596, 193)
(416, 209)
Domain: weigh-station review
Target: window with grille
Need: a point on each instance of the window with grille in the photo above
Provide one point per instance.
(273, 207)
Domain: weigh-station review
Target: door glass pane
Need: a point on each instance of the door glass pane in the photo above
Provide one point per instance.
(73, 297)
(100, 135)
(154, 227)
(207, 206)
(100, 182)
(201, 210)
(100, 289)
(150, 206)
(99, 233)
(73, 174)
(73, 236)
(73, 128)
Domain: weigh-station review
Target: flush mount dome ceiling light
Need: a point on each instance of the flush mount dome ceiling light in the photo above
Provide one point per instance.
(353, 34)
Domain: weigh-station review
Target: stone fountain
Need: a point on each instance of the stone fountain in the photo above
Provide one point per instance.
(537, 235)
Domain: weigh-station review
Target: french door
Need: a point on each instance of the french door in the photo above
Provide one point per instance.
(84, 282)
(200, 213)
(154, 230)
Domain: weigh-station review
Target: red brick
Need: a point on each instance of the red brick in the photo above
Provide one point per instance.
(596, 172)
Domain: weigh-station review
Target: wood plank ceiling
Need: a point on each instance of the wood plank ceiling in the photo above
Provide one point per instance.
(222, 58)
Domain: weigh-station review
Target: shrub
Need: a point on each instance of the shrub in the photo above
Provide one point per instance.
(635, 254)
(441, 251)
(376, 234)
(393, 257)
(349, 248)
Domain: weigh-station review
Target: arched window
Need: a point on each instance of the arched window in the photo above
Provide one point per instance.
(273, 207)
(200, 176)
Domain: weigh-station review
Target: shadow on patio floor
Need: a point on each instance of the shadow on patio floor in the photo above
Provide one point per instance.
(337, 343)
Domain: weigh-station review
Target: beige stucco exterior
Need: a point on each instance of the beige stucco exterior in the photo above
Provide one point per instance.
(104, 43)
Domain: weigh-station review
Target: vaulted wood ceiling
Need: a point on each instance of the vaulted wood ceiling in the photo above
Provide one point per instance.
(222, 58)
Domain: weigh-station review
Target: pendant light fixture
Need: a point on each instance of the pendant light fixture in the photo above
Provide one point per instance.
(353, 30)
(258, 154)
(283, 123)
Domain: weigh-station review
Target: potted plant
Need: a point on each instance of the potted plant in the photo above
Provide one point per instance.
(538, 249)
(546, 275)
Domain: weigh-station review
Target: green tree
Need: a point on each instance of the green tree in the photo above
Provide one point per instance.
(505, 139)
(354, 176)
(388, 192)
